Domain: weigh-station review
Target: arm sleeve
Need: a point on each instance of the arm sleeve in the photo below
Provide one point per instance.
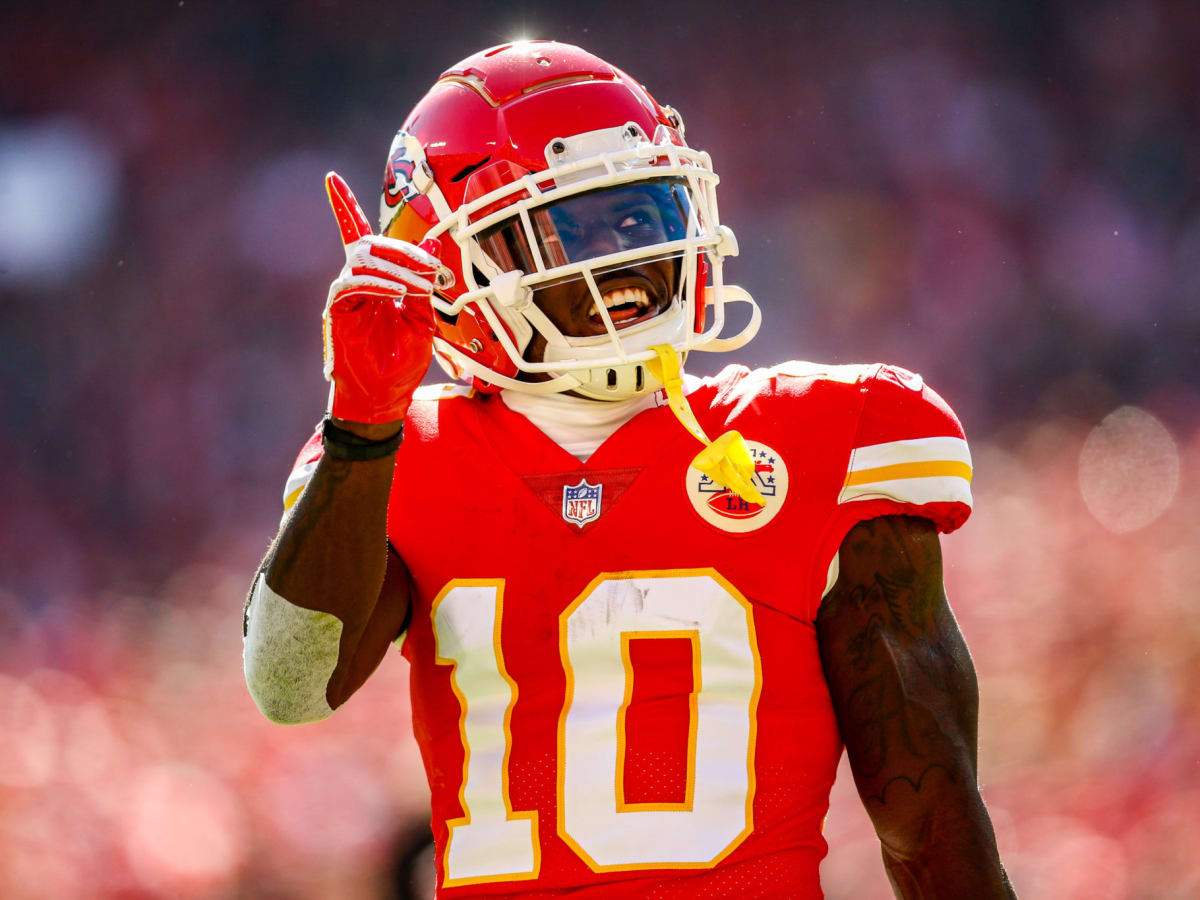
(289, 655)
(909, 456)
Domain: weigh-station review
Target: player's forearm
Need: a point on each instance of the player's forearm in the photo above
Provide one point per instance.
(331, 553)
(906, 696)
(934, 830)
(955, 855)
(315, 615)
(917, 777)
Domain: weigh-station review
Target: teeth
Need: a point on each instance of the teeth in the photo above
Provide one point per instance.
(626, 295)
(621, 296)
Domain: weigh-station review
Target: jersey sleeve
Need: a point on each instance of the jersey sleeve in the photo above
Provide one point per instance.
(302, 470)
(422, 415)
(909, 456)
(312, 451)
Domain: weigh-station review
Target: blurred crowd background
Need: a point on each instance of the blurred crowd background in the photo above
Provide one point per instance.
(1000, 194)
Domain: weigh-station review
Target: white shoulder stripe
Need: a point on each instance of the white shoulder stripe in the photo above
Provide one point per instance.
(931, 449)
(923, 470)
(915, 491)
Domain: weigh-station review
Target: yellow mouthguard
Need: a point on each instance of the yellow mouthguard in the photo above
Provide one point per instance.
(726, 460)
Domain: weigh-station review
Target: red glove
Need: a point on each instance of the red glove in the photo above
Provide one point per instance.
(378, 323)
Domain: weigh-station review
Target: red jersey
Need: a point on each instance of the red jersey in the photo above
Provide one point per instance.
(616, 686)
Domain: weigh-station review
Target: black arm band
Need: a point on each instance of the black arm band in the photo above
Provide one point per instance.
(342, 444)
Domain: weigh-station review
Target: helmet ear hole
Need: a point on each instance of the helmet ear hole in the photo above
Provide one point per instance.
(468, 169)
(612, 379)
(639, 379)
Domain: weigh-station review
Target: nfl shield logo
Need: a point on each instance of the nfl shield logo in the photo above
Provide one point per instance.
(581, 502)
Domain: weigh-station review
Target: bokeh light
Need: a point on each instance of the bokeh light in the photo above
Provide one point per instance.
(59, 180)
(1128, 469)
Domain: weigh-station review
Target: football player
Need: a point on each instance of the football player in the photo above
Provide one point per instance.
(644, 612)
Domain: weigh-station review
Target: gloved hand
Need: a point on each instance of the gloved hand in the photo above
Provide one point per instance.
(378, 323)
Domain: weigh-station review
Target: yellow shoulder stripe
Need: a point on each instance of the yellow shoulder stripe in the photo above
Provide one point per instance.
(933, 469)
(291, 498)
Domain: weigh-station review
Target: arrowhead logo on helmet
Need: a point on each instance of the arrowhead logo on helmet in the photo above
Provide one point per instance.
(401, 175)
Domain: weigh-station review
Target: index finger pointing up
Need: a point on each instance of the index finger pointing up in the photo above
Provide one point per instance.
(351, 221)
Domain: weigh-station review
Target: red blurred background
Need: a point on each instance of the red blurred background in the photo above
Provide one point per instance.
(1000, 195)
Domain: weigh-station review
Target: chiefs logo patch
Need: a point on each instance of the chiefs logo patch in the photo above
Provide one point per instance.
(723, 508)
(400, 175)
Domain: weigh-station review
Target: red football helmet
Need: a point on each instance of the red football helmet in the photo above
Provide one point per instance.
(496, 164)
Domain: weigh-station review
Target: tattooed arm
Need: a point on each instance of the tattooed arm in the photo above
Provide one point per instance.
(330, 557)
(906, 699)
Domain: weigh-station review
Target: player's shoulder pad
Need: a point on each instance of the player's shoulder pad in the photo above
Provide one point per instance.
(909, 446)
(433, 405)
(813, 371)
(899, 405)
(443, 391)
(737, 387)
(786, 377)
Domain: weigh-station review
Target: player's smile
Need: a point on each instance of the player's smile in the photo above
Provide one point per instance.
(590, 226)
(627, 304)
(631, 296)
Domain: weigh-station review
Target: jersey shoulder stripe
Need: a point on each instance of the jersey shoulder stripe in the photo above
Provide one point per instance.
(296, 482)
(302, 470)
(916, 471)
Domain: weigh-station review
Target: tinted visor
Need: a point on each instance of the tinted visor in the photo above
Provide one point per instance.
(593, 224)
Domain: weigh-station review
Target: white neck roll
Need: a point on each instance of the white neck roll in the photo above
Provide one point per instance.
(579, 425)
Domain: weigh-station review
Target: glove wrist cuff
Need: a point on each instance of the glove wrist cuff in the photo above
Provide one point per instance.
(346, 445)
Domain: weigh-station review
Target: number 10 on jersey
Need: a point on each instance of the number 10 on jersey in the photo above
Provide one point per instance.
(493, 842)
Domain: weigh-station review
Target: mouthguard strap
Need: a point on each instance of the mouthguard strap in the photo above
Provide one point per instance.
(726, 460)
